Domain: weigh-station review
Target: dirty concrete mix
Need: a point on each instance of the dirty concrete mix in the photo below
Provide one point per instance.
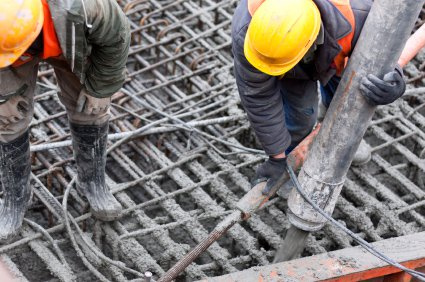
(181, 64)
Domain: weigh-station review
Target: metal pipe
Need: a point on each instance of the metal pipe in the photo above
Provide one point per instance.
(148, 276)
(253, 201)
(248, 205)
(380, 44)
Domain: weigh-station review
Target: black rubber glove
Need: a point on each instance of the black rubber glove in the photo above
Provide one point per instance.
(383, 91)
(270, 171)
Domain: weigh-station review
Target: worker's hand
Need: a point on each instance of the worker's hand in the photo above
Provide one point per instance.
(383, 91)
(270, 171)
(13, 110)
(91, 105)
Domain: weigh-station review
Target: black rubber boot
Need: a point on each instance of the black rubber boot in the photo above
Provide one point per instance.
(89, 143)
(15, 169)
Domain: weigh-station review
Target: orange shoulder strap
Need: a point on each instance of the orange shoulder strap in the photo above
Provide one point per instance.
(51, 46)
(341, 59)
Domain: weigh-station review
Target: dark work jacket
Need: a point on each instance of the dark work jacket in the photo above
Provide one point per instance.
(94, 36)
(260, 93)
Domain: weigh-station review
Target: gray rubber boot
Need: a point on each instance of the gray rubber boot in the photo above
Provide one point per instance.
(15, 169)
(362, 155)
(89, 143)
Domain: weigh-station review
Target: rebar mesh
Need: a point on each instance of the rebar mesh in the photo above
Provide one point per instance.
(177, 167)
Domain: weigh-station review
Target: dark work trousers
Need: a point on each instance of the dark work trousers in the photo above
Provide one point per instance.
(17, 111)
(327, 92)
(300, 106)
(300, 102)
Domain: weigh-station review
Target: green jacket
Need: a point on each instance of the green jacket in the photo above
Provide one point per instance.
(95, 38)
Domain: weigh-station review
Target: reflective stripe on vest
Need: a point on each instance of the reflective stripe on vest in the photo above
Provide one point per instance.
(345, 8)
(51, 46)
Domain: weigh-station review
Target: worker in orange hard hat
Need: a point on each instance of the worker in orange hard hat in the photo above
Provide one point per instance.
(282, 49)
(87, 44)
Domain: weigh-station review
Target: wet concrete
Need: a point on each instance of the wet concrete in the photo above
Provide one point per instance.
(292, 246)
(154, 236)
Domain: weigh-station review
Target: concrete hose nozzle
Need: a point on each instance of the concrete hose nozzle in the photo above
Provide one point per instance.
(325, 195)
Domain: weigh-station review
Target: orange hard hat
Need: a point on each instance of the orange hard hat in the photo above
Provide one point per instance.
(20, 24)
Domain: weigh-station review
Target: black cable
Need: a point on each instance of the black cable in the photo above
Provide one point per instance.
(359, 240)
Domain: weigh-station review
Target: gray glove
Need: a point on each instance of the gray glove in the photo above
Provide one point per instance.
(270, 171)
(383, 91)
(91, 105)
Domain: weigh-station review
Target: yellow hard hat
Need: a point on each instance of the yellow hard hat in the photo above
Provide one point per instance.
(20, 24)
(280, 34)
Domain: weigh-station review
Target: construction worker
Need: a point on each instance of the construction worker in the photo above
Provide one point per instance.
(87, 43)
(281, 49)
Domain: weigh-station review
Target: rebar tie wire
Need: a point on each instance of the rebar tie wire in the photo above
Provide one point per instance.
(368, 247)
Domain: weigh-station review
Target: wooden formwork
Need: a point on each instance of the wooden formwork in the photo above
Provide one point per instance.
(350, 264)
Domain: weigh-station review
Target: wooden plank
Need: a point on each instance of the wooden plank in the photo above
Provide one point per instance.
(350, 264)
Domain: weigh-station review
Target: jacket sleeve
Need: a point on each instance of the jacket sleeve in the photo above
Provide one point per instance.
(261, 98)
(109, 38)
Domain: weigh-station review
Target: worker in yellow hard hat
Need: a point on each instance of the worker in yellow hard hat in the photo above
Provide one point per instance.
(282, 49)
(87, 44)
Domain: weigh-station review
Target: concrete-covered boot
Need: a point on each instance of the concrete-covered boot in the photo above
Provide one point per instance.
(15, 169)
(363, 154)
(89, 143)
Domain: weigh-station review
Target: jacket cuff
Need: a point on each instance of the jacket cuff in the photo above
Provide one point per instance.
(278, 147)
(101, 93)
(399, 69)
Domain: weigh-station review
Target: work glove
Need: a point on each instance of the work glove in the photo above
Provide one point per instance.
(13, 110)
(270, 171)
(383, 91)
(91, 105)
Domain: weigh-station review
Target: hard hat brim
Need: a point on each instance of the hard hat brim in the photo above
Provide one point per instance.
(8, 58)
(268, 68)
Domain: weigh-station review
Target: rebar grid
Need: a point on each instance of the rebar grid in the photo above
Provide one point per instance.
(177, 164)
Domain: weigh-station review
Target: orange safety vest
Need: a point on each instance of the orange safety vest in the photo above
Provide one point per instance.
(340, 61)
(51, 46)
